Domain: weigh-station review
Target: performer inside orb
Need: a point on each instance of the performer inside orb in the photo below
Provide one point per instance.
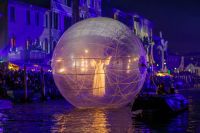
(99, 76)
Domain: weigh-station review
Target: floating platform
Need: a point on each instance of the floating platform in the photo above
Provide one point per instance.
(153, 104)
(5, 104)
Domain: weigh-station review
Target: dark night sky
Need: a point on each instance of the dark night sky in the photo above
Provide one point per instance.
(179, 20)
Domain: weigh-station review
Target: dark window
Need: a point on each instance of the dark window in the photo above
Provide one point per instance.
(46, 20)
(65, 2)
(84, 2)
(46, 45)
(55, 20)
(28, 17)
(54, 44)
(67, 22)
(12, 14)
(69, 3)
(37, 19)
(92, 3)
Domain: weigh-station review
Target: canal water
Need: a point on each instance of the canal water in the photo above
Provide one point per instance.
(60, 116)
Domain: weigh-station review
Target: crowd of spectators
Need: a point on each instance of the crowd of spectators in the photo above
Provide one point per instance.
(36, 80)
(182, 80)
(33, 80)
(187, 80)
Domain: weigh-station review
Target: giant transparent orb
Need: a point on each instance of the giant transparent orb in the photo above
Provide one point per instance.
(99, 62)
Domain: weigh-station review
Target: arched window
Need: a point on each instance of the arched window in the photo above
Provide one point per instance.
(54, 44)
(92, 3)
(28, 44)
(68, 3)
(67, 22)
(36, 42)
(55, 20)
(46, 45)
(13, 44)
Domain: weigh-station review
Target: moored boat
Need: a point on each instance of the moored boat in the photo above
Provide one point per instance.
(155, 105)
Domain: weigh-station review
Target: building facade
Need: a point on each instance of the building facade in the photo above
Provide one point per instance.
(3, 25)
(31, 31)
(61, 17)
(143, 29)
(25, 29)
(141, 26)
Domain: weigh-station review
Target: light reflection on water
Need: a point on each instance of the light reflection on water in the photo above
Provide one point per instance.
(94, 120)
(59, 116)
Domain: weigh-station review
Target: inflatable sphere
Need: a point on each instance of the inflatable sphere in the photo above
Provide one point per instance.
(99, 62)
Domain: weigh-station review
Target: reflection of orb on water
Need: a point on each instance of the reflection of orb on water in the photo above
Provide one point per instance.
(97, 63)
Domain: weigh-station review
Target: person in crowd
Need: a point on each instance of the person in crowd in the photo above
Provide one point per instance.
(161, 89)
(172, 89)
(14, 81)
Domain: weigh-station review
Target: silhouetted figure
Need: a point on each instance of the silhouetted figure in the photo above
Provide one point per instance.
(161, 89)
(172, 89)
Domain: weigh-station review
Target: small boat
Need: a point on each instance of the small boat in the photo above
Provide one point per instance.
(5, 104)
(154, 104)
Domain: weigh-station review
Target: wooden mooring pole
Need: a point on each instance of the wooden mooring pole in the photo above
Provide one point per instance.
(43, 84)
(25, 85)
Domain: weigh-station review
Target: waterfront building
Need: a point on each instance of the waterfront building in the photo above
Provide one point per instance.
(193, 69)
(142, 27)
(155, 46)
(23, 28)
(61, 14)
(30, 30)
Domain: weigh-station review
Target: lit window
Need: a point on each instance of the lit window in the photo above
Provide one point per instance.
(28, 42)
(13, 44)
